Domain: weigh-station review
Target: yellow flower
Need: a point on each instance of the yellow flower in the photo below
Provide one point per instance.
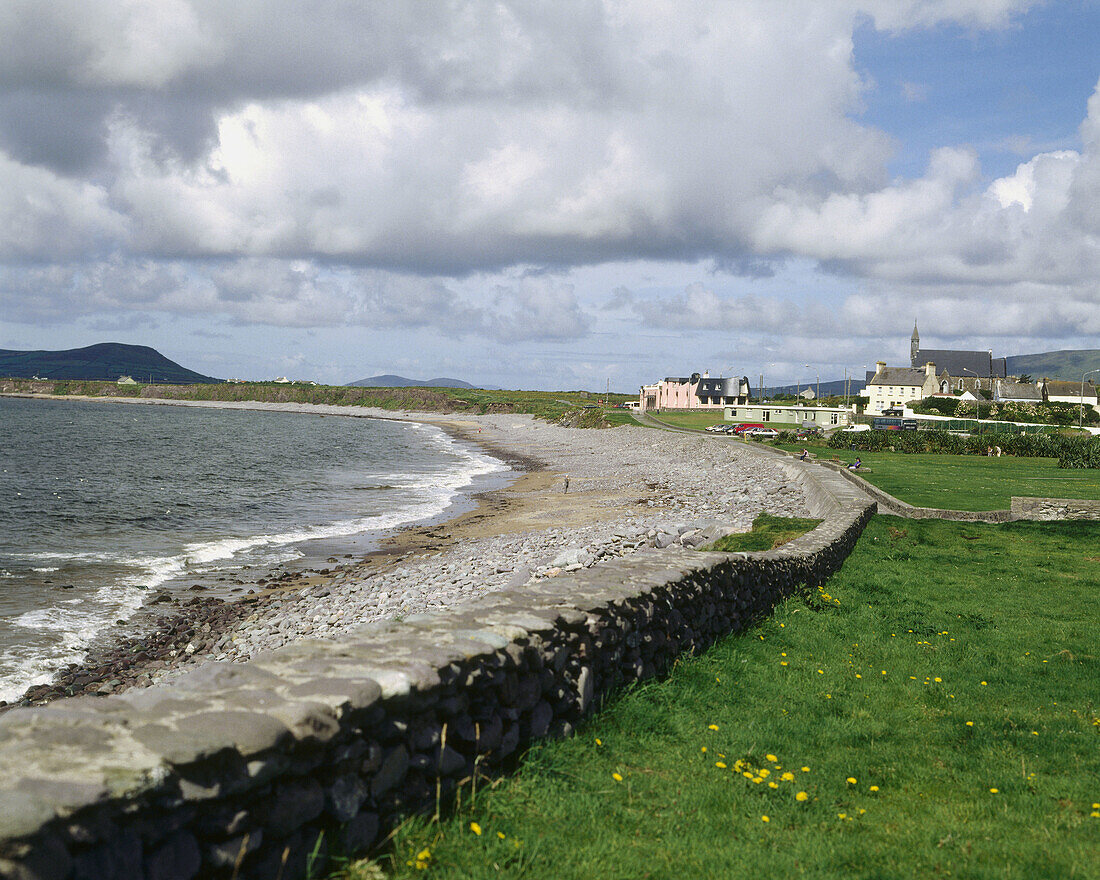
(1096, 806)
(858, 675)
(617, 777)
(758, 779)
(747, 775)
(851, 780)
(501, 835)
(787, 777)
(599, 741)
(984, 683)
(969, 723)
(704, 749)
(720, 765)
(712, 727)
(821, 672)
(1095, 814)
(938, 679)
(802, 796)
(764, 819)
(773, 785)
(782, 662)
(805, 769)
(474, 827)
(874, 788)
(765, 772)
(842, 815)
(771, 758)
(994, 790)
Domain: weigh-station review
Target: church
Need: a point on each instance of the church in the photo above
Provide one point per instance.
(958, 364)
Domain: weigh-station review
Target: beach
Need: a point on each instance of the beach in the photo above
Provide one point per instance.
(575, 498)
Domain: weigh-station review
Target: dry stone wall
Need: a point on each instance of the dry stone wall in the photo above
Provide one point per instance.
(250, 770)
(1054, 508)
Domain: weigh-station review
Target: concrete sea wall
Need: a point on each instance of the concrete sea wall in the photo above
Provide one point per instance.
(248, 770)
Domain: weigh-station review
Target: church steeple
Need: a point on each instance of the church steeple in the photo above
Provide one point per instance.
(914, 346)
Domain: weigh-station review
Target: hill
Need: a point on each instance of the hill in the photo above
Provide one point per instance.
(1070, 364)
(107, 360)
(391, 381)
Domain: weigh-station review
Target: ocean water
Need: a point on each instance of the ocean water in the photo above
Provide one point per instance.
(101, 503)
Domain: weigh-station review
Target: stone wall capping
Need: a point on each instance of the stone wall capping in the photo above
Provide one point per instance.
(348, 737)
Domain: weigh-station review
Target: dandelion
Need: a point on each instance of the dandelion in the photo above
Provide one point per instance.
(703, 750)
(1034, 733)
(984, 683)
(764, 819)
(1095, 814)
(721, 765)
(773, 785)
(805, 769)
(821, 672)
(884, 672)
(938, 679)
(782, 662)
(474, 827)
(423, 859)
(802, 796)
(851, 780)
(1096, 806)
(858, 675)
(771, 758)
(758, 779)
(842, 815)
(764, 772)
(969, 723)
(787, 777)
(712, 727)
(617, 777)
(874, 788)
(994, 790)
(501, 835)
(599, 741)
(747, 775)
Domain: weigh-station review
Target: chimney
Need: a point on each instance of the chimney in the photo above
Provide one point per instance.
(706, 374)
(879, 367)
(930, 369)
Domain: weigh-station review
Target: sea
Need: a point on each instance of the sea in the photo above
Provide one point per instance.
(103, 505)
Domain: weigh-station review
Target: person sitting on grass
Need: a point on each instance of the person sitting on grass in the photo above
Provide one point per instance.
(803, 454)
(854, 466)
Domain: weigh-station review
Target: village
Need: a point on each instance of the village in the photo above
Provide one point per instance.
(937, 386)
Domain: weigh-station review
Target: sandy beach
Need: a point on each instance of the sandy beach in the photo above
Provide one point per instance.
(575, 498)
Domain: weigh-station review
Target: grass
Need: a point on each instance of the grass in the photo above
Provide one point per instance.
(768, 532)
(548, 405)
(965, 482)
(696, 420)
(936, 703)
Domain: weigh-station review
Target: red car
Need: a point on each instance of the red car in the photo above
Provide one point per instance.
(748, 426)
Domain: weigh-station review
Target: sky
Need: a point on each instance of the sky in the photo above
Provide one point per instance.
(549, 195)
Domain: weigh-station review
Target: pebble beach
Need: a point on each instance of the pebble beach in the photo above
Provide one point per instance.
(577, 497)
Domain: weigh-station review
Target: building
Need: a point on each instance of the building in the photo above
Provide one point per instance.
(1059, 391)
(958, 363)
(694, 392)
(126, 380)
(788, 416)
(1006, 391)
(894, 387)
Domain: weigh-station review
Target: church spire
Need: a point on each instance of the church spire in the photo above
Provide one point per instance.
(914, 345)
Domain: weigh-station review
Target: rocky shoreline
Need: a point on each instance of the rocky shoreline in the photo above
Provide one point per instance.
(580, 497)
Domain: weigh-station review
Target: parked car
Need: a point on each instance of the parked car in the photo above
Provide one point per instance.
(761, 434)
(746, 426)
(715, 429)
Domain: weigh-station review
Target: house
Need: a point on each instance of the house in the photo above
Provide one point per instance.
(697, 391)
(1007, 391)
(891, 387)
(1059, 391)
(126, 380)
(823, 417)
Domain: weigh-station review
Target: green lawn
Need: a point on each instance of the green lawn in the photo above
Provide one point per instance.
(932, 712)
(768, 532)
(965, 482)
(696, 420)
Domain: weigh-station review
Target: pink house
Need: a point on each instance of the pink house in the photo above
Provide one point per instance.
(695, 392)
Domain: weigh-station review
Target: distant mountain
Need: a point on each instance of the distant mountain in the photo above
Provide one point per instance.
(832, 387)
(391, 381)
(107, 360)
(1070, 364)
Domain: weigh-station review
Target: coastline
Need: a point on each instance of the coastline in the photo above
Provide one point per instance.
(574, 497)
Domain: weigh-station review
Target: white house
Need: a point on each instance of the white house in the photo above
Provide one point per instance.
(893, 387)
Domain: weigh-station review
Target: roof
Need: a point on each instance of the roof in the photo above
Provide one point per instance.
(1017, 391)
(962, 363)
(898, 376)
(731, 387)
(1063, 388)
